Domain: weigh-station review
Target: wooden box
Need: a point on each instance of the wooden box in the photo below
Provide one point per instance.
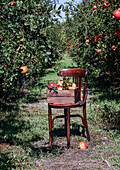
(63, 96)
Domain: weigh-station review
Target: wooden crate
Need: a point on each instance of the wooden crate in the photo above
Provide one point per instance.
(63, 96)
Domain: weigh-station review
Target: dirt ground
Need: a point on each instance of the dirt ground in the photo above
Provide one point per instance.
(74, 158)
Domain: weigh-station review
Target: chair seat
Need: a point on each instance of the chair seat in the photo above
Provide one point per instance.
(63, 105)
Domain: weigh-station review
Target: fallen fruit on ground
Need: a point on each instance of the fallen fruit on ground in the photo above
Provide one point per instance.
(82, 145)
(24, 69)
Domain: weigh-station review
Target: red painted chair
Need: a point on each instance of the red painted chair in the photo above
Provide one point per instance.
(77, 75)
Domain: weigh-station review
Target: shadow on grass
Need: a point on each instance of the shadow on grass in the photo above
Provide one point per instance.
(110, 95)
(8, 107)
(6, 163)
(31, 99)
(56, 149)
(46, 150)
(108, 115)
(11, 126)
(75, 130)
(11, 130)
(8, 139)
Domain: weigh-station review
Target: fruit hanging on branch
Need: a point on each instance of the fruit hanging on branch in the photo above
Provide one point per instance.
(24, 69)
(94, 7)
(105, 5)
(113, 47)
(98, 50)
(87, 40)
(116, 13)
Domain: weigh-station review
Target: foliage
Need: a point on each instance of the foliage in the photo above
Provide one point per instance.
(89, 30)
(25, 40)
(57, 33)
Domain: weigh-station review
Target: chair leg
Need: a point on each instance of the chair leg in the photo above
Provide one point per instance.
(50, 125)
(68, 128)
(65, 114)
(85, 122)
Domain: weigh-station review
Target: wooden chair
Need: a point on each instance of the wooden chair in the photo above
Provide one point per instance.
(77, 75)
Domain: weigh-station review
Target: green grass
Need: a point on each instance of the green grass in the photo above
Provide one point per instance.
(24, 127)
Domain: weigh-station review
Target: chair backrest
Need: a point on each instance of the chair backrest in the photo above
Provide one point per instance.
(77, 75)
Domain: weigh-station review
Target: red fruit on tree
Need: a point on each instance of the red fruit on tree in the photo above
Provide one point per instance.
(106, 59)
(69, 48)
(24, 69)
(95, 37)
(106, 5)
(116, 13)
(5, 66)
(94, 7)
(113, 47)
(99, 36)
(87, 40)
(95, 41)
(82, 145)
(98, 50)
(12, 3)
(1, 36)
(112, 17)
(116, 33)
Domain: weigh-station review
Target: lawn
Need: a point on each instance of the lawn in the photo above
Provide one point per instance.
(24, 130)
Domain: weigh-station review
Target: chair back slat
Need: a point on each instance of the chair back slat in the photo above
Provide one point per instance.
(80, 86)
(72, 72)
(77, 75)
